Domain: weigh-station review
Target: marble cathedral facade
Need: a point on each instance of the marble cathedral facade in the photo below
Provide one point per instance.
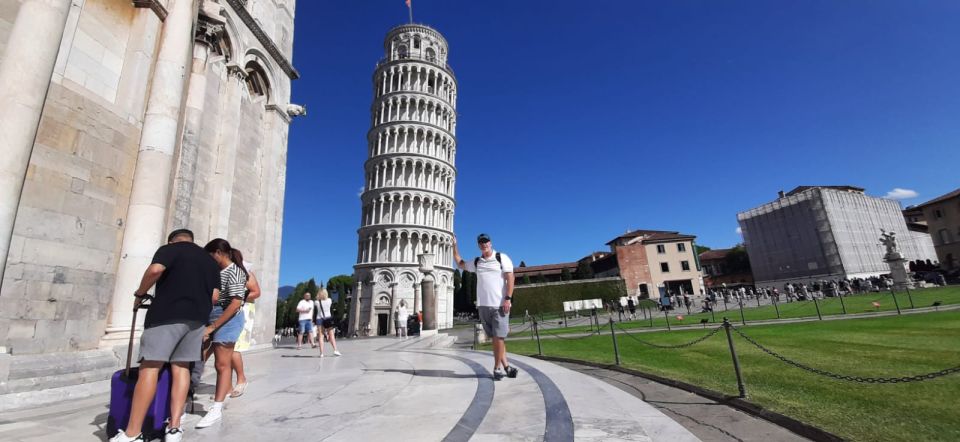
(124, 120)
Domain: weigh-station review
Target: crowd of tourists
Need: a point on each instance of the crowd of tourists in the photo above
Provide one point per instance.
(195, 312)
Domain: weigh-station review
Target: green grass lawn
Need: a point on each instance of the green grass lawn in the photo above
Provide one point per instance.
(799, 309)
(875, 347)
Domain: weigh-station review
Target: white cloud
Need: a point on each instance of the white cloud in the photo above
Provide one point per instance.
(902, 194)
(360, 191)
(739, 231)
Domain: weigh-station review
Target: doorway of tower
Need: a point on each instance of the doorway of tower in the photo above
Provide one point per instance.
(382, 328)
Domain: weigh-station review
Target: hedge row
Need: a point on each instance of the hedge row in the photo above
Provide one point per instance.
(549, 298)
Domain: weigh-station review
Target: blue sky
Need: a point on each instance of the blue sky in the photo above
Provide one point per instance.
(580, 120)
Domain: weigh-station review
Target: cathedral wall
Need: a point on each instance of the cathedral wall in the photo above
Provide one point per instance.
(61, 268)
(8, 14)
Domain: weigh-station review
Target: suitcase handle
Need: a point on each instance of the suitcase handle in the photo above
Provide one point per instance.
(141, 302)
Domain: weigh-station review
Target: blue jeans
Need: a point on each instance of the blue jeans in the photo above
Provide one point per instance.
(229, 332)
(306, 326)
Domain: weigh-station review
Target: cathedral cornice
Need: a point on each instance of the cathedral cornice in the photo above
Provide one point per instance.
(263, 38)
(154, 6)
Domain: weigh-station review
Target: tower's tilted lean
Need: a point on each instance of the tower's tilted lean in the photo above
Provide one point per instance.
(408, 198)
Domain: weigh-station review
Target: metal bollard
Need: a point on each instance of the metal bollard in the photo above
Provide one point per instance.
(817, 305)
(476, 336)
(910, 297)
(536, 330)
(842, 305)
(742, 319)
(897, 304)
(776, 307)
(667, 317)
(736, 361)
(616, 348)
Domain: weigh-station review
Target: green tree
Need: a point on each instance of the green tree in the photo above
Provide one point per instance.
(700, 249)
(584, 271)
(539, 278)
(737, 260)
(526, 280)
(340, 286)
(565, 275)
(523, 264)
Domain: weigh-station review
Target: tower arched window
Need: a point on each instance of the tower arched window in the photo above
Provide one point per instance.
(402, 51)
(258, 84)
(431, 54)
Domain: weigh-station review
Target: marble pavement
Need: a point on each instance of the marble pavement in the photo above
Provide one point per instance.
(386, 389)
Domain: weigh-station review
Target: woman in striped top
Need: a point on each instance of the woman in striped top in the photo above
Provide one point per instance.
(226, 322)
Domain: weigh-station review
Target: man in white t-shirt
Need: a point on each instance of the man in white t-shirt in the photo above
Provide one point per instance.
(494, 272)
(305, 319)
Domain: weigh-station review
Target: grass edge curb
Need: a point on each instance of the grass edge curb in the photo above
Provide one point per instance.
(800, 428)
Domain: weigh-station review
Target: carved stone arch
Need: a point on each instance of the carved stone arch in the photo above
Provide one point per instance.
(383, 278)
(407, 279)
(383, 299)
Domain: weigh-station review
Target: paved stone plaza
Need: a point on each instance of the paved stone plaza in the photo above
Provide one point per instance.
(388, 389)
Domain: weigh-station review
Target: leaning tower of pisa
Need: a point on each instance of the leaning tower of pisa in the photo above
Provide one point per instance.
(408, 198)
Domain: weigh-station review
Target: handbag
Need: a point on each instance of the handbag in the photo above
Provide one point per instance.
(327, 320)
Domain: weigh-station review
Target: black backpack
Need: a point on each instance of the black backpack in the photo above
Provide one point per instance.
(476, 261)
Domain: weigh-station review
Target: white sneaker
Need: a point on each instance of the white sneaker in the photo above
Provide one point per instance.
(337, 353)
(173, 435)
(213, 416)
(322, 355)
(122, 437)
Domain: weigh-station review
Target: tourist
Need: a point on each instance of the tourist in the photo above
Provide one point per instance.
(494, 272)
(253, 292)
(305, 318)
(187, 280)
(632, 306)
(226, 321)
(402, 316)
(325, 322)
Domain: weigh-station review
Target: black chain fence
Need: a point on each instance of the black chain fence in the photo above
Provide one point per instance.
(684, 345)
(841, 377)
(576, 338)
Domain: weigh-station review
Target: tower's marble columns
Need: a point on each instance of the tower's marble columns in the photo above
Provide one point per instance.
(28, 63)
(150, 193)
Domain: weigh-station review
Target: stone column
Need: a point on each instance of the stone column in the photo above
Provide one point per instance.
(416, 298)
(429, 304)
(372, 314)
(208, 33)
(226, 166)
(150, 194)
(354, 324)
(393, 305)
(25, 73)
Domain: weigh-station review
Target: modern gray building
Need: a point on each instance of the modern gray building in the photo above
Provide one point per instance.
(825, 232)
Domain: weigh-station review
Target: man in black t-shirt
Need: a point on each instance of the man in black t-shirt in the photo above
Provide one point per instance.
(187, 280)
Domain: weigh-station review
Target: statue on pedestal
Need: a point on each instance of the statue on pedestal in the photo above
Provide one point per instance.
(889, 240)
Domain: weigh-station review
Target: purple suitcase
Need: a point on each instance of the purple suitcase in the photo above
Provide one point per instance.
(121, 395)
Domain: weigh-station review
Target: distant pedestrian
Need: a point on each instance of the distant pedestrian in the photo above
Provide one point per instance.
(494, 272)
(402, 316)
(632, 306)
(326, 321)
(305, 319)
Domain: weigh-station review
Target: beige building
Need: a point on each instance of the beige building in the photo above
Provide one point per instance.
(121, 121)
(942, 215)
(650, 259)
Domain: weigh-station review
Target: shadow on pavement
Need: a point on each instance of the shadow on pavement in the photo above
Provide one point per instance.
(430, 373)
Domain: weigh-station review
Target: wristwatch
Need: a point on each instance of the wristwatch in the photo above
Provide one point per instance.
(507, 298)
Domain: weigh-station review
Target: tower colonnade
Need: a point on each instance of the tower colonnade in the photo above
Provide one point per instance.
(409, 180)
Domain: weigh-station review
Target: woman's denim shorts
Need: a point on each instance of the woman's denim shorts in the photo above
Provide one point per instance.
(229, 332)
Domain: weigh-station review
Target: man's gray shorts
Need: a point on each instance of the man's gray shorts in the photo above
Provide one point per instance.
(177, 342)
(496, 323)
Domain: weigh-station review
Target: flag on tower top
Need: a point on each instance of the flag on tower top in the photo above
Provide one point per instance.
(408, 3)
(410, 9)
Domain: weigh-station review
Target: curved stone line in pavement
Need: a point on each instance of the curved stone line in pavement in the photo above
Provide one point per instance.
(559, 421)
